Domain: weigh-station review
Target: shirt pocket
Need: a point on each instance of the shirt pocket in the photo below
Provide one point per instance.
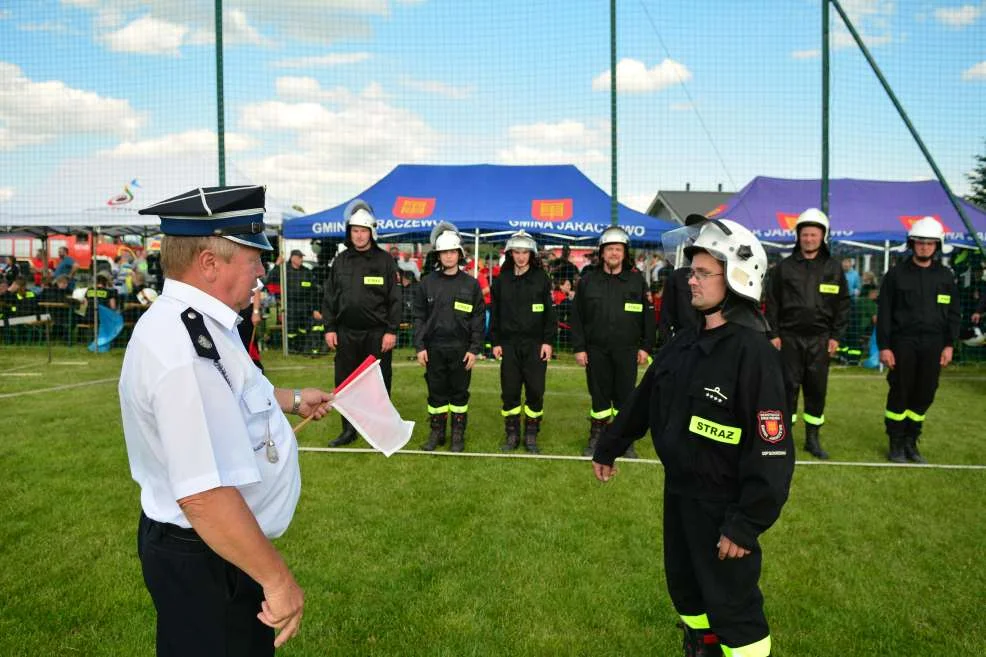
(711, 416)
(259, 405)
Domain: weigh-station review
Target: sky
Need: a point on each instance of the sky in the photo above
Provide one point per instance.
(322, 98)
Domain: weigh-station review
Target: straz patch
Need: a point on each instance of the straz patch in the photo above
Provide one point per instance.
(720, 433)
(770, 426)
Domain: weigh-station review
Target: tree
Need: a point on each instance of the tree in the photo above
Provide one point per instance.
(977, 177)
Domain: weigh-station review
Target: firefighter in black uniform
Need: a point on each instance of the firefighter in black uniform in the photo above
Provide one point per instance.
(361, 308)
(449, 317)
(522, 330)
(917, 322)
(677, 313)
(612, 330)
(808, 307)
(715, 404)
(300, 292)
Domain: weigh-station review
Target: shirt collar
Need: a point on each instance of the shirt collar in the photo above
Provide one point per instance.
(201, 301)
(707, 339)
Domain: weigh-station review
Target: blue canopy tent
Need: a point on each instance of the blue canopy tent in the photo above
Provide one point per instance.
(490, 201)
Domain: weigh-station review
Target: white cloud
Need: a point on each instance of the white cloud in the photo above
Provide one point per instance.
(43, 27)
(39, 112)
(872, 20)
(806, 54)
(237, 30)
(6, 193)
(633, 76)
(309, 89)
(977, 72)
(681, 107)
(958, 16)
(565, 142)
(147, 36)
(5, 14)
(191, 142)
(331, 59)
(439, 88)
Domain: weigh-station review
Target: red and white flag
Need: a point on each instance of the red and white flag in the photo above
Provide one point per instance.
(363, 400)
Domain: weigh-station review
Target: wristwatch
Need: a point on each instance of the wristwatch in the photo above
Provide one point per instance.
(296, 407)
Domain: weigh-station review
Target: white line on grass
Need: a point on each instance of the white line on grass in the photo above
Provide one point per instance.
(57, 388)
(22, 373)
(564, 457)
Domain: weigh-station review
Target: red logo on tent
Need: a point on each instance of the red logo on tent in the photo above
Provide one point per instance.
(716, 210)
(786, 221)
(558, 209)
(908, 220)
(406, 207)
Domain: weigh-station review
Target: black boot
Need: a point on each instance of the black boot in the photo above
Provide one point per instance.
(458, 432)
(437, 436)
(511, 427)
(531, 427)
(596, 430)
(347, 436)
(700, 643)
(812, 445)
(896, 453)
(911, 450)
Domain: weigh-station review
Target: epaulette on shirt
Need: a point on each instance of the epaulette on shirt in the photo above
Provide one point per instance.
(201, 340)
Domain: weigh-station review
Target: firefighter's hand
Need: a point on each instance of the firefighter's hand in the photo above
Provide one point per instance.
(469, 359)
(946, 356)
(729, 550)
(316, 314)
(975, 318)
(776, 342)
(546, 351)
(256, 318)
(388, 342)
(887, 358)
(603, 472)
(642, 357)
(498, 352)
(582, 358)
(833, 347)
(332, 339)
(423, 357)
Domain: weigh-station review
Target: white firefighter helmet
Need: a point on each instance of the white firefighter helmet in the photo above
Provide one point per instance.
(741, 253)
(521, 240)
(359, 213)
(449, 241)
(813, 217)
(440, 228)
(614, 235)
(928, 228)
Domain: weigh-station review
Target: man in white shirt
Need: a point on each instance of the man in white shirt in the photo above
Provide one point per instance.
(208, 441)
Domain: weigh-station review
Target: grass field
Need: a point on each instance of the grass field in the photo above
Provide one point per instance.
(433, 555)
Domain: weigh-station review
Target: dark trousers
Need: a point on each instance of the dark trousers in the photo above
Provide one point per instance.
(611, 375)
(353, 348)
(699, 583)
(521, 366)
(205, 605)
(913, 382)
(806, 366)
(447, 379)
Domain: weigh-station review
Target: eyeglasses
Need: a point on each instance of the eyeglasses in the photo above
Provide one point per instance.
(702, 274)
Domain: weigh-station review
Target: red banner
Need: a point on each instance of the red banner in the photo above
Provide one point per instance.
(406, 207)
(559, 209)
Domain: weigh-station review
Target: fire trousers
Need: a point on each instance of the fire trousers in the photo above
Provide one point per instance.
(913, 382)
(806, 366)
(447, 379)
(611, 375)
(522, 367)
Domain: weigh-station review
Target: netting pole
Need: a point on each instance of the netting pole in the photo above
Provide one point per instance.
(220, 101)
(612, 111)
(825, 108)
(907, 122)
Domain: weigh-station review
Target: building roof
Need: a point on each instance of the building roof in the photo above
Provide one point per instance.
(675, 206)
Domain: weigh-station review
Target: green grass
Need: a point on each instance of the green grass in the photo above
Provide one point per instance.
(425, 555)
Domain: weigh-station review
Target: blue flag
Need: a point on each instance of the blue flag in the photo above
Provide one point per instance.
(110, 325)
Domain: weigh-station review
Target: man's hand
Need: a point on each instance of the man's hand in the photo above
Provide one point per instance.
(642, 357)
(729, 550)
(423, 357)
(833, 347)
(582, 358)
(946, 356)
(388, 342)
(316, 314)
(332, 339)
(975, 318)
(498, 352)
(256, 318)
(603, 472)
(315, 402)
(546, 351)
(776, 342)
(469, 359)
(282, 609)
(887, 358)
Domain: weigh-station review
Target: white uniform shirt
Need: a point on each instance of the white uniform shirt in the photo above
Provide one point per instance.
(188, 430)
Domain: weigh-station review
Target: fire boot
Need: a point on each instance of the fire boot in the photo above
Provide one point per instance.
(596, 429)
(458, 432)
(700, 643)
(897, 454)
(812, 444)
(437, 435)
(511, 427)
(911, 449)
(347, 436)
(531, 427)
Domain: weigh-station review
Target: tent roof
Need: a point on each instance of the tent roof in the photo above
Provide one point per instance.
(677, 205)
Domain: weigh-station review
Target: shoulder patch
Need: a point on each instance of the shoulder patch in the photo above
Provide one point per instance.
(199, 334)
(770, 426)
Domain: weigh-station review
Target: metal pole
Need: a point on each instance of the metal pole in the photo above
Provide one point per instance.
(825, 107)
(284, 296)
(220, 101)
(612, 111)
(910, 126)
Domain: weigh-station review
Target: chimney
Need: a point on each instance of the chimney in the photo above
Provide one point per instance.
(688, 187)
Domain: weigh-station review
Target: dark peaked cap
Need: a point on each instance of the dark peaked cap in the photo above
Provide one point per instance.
(236, 213)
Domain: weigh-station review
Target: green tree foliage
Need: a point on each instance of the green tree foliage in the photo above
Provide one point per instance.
(978, 179)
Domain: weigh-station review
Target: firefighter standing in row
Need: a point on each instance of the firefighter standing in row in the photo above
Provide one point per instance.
(522, 329)
(715, 404)
(917, 322)
(300, 292)
(449, 318)
(612, 330)
(361, 308)
(808, 307)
